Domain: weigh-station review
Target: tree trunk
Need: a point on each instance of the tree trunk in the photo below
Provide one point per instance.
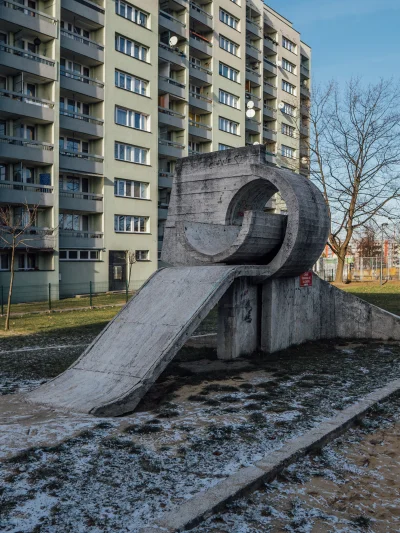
(340, 266)
(7, 325)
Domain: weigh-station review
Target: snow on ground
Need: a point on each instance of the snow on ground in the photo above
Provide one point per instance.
(202, 421)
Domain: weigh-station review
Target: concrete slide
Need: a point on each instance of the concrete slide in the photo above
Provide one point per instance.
(122, 363)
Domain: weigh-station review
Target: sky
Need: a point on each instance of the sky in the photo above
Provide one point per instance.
(348, 37)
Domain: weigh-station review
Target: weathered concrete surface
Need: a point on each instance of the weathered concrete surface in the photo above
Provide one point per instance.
(205, 504)
(123, 362)
(216, 214)
(292, 315)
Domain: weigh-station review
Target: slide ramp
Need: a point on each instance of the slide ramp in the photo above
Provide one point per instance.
(122, 363)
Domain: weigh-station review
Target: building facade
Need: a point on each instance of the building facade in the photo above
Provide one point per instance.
(99, 100)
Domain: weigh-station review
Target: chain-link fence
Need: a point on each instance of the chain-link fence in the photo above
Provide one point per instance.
(360, 269)
(52, 297)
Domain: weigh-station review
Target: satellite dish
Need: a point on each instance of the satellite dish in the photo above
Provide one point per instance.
(255, 144)
(250, 113)
(173, 41)
(279, 63)
(250, 104)
(281, 105)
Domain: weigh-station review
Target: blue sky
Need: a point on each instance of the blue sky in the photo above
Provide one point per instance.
(348, 37)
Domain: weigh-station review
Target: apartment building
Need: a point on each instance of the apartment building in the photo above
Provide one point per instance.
(99, 99)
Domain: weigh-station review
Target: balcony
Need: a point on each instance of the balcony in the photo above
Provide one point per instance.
(172, 55)
(78, 84)
(253, 98)
(16, 59)
(200, 102)
(253, 76)
(304, 71)
(304, 131)
(17, 192)
(85, 124)
(14, 16)
(198, 14)
(201, 44)
(81, 239)
(269, 134)
(20, 149)
(269, 112)
(200, 131)
(171, 86)
(270, 67)
(270, 90)
(200, 73)
(172, 119)
(305, 110)
(305, 91)
(253, 126)
(81, 201)
(13, 104)
(33, 238)
(170, 149)
(165, 180)
(81, 162)
(253, 27)
(86, 50)
(172, 24)
(252, 51)
(270, 45)
(85, 9)
(162, 211)
(270, 157)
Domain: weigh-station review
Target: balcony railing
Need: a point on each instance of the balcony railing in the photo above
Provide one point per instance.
(199, 125)
(172, 50)
(28, 11)
(162, 174)
(253, 121)
(268, 38)
(270, 84)
(200, 38)
(26, 54)
(200, 97)
(201, 69)
(92, 5)
(305, 70)
(270, 62)
(252, 22)
(269, 129)
(251, 71)
(32, 235)
(173, 19)
(173, 144)
(21, 141)
(81, 195)
(30, 187)
(252, 96)
(172, 81)
(26, 98)
(272, 109)
(253, 47)
(81, 116)
(197, 8)
(81, 234)
(84, 79)
(170, 112)
(83, 40)
(82, 155)
(194, 152)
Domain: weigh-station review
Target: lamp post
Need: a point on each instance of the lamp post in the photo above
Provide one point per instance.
(384, 225)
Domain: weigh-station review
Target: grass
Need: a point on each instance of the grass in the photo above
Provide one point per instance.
(386, 296)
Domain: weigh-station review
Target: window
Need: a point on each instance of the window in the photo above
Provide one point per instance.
(79, 255)
(132, 119)
(131, 48)
(194, 147)
(228, 72)
(26, 261)
(228, 19)
(3, 172)
(142, 255)
(69, 69)
(133, 154)
(73, 222)
(71, 107)
(228, 45)
(228, 99)
(222, 147)
(289, 45)
(23, 174)
(229, 126)
(75, 30)
(131, 189)
(4, 261)
(287, 151)
(288, 87)
(130, 83)
(130, 224)
(288, 130)
(287, 65)
(24, 217)
(73, 145)
(130, 12)
(288, 109)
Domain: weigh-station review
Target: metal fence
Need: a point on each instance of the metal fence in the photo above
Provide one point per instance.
(52, 297)
(360, 269)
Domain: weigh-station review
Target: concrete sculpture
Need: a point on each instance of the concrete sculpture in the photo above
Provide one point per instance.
(225, 248)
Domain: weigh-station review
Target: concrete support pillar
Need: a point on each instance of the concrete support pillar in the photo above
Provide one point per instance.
(238, 320)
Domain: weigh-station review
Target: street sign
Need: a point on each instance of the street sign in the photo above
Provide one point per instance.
(306, 279)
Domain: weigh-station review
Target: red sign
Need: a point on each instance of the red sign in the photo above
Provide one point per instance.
(306, 279)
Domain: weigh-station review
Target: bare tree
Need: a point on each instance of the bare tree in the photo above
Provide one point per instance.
(368, 242)
(14, 233)
(131, 260)
(354, 156)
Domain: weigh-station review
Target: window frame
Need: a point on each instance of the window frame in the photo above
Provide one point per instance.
(229, 16)
(133, 79)
(134, 10)
(117, 150)
(231, 46)
(230, 123)
(118, 181)
(231, 96)
(131, 115)
(130, 44)
(223, 65)
(132, 222)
